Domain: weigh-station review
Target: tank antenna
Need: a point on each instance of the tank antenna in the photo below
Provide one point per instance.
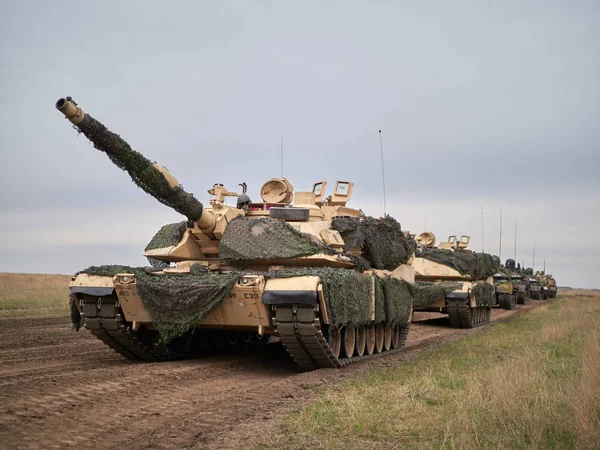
(281, 152)
(500, 249)
(425, 228)
(482, 240)
(382, 174)
(533, 262)
(515, 240)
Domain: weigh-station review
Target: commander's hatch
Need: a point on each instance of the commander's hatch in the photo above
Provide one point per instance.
(448, 245)
(341, 194)
(319, 191)
(464, 242)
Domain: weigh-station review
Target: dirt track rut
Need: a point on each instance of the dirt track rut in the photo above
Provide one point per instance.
(60, 389)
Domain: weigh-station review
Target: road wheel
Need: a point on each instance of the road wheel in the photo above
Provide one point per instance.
(370, 344)
(335, 341)
(387, 342)
(396, 336)
(361, 340)
(348, 341)
(379, 337)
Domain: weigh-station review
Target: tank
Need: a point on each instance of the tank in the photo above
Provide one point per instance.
(517, 275)
(551, 284)
(537, 291)
(453, 280)
(505, 291)
(547, 285)
(332, 285)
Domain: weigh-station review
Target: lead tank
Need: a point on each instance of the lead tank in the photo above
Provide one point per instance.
(331, 284)
(453, 280)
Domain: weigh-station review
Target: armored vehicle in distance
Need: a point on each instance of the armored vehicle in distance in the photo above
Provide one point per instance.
(537, 290)
(552, 289)
(521, 282)
(333, 285)
(453, 280)
(505, 291)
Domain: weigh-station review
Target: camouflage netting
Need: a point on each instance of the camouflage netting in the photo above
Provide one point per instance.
(176, 302)
(140, 168)
(348, 294)
(258, 238)
(381, 240)
(398, 301)
(379, 301)
(476, 265)
(167, 236)
(483, 293)
(428, 293)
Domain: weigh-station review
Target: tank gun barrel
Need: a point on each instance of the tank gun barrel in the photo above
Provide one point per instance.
(151, 177)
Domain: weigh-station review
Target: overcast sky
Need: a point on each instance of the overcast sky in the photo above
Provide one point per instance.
(479, 102)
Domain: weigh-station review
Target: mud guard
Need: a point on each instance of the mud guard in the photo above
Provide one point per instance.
(290, 297)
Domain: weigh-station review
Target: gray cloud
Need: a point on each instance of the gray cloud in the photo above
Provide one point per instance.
(492, 103)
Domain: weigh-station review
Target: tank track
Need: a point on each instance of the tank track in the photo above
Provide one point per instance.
(101, 315)
(507, 301)
(300, 332)
(463, 316)
(522, 298)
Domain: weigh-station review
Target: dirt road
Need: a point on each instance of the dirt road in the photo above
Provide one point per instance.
(60, 389)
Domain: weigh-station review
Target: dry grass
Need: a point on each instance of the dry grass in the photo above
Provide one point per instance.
(530, 383)
(33, 295)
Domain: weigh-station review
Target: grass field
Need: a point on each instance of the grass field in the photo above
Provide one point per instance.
(533, 382)
(33, 295)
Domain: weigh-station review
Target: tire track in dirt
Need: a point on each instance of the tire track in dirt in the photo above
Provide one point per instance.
(60, 389)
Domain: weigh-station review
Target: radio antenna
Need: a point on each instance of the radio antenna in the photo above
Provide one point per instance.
(515, 240)
(482, 240)
(500, 249)
(533, 262)
(425, 229)
(382, 174)
(281, 154)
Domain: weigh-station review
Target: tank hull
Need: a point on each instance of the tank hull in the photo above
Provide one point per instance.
(292, 310)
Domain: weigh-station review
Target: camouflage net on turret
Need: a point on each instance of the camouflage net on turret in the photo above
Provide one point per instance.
(176, 302)
(427, 293)
(476, 265)
(167, 236)
(382, 240)
(268, 239)
(141, 170)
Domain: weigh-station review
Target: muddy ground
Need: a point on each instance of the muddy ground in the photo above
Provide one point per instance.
(60, 389)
